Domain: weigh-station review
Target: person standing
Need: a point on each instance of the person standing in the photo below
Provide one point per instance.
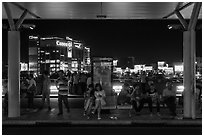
(5, 93)
(31, 91)
(46, 89)
(83, 79)
(169, 98)
(89, 80)
(75, 83)
(62, 86)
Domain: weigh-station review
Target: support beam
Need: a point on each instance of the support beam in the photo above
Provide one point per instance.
(13, 74)
(194, 15)
(22, 8)
(182, 20)
(179, 9)
(10, 19)
(20, 21)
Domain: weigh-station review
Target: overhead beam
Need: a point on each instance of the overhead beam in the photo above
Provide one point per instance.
(21, 19)
(181, 19)
(194, 15)
(179, 9)
(10, 19)
(22, 8)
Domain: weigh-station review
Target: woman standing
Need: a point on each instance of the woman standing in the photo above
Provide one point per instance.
(99, 101)
(31, 91)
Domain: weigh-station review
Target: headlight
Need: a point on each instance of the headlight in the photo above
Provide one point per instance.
(180, 88)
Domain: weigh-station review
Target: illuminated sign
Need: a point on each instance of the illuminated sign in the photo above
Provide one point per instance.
(138, 67)
(169, 70)
(148, 68)
(115, 62)
(32, 66)
(24, 66)
(64, 44)
(178, 68)
(69, 52)
(33, 37)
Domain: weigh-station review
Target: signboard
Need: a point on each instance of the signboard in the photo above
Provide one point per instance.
(24, 66)
(178, 68)
(64, 44)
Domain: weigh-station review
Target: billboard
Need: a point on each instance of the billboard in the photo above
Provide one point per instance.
(102, 71)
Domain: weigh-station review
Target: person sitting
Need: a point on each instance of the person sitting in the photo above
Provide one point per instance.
(124, 96)
(135, 97)
(89, 100)
(155, 97)
(169, 98)
(99, 101)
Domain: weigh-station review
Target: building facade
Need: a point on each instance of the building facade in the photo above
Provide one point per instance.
(54, 54)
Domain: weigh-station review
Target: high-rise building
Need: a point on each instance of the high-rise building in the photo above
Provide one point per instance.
(54, 54)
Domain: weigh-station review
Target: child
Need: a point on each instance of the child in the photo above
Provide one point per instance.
(89, 99)
(99, 102)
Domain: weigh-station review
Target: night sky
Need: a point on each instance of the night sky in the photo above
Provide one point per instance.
(147, 40)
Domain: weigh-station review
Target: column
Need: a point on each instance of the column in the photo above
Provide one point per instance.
(189, 73)
(13, 74)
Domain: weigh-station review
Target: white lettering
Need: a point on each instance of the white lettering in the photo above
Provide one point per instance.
(64, 44)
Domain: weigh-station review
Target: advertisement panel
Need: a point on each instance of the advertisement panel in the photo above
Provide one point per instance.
(102, 71)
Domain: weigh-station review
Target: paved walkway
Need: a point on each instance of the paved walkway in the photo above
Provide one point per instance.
(76, 117)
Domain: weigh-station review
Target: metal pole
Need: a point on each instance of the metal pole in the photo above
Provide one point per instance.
(13, 74)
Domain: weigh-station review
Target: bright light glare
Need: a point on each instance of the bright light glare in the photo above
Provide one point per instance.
(180, 88)
(53, 89)
(170, 27)
(117, 88)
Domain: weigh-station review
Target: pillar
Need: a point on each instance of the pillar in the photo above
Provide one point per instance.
(13, 74)
(189, 43)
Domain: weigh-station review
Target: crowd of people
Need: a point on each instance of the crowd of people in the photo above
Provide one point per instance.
(159, 92)
(147, 91)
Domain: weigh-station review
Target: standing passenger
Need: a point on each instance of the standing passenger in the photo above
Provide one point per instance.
(61, 84)
(31, 91)
(46, 89)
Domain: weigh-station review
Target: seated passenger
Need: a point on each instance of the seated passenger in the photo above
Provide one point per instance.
(135, 97)
(155, 97)
(124, 96)
(99, 101)
(89, 100)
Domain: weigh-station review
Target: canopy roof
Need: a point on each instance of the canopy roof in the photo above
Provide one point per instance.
(90, 10)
